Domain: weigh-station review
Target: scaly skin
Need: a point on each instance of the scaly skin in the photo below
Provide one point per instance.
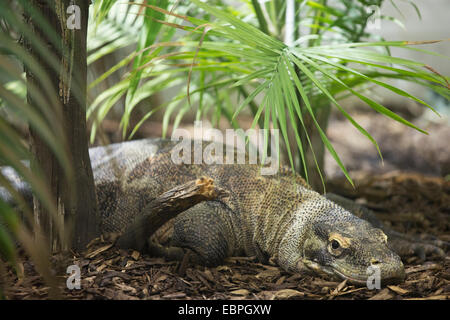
(277, 217)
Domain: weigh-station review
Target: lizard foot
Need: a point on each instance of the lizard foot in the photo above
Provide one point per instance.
(421, 246)
(172, 253)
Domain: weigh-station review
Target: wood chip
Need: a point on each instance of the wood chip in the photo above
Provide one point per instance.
(438, 291)
(323, 283)
(116, 295)
(384, 294)
(176, 295)
(135, 255)
(224, 268)
(101, 267)
(398, 290)
(161, 278)
(98, 251)
(125, 288)
(351, 291)
(280, 280)
(440, 297)
(240, 292)
(113, 273)
(419, 268)
(208, 275)
(286, 294)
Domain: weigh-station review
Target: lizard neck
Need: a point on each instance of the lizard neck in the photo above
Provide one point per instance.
(279, 222)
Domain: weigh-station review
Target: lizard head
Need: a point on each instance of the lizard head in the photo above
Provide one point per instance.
(350, 248)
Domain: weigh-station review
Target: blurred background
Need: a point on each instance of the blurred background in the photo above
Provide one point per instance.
(404, 149)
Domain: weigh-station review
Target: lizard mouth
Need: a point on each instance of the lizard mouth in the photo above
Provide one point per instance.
(333, 272)
(352, 279)
(362, 279)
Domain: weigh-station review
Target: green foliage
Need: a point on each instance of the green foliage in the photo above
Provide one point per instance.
(43, 117)
(220, 51)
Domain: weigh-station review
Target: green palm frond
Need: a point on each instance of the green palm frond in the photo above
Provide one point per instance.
(262, 58)
(43, 116)
(243, 52)
(138, 28)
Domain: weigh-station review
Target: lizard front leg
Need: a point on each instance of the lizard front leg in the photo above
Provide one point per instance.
(403, 244)
(205, 230)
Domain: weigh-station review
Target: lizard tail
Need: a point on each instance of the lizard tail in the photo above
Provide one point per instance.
(18, 184)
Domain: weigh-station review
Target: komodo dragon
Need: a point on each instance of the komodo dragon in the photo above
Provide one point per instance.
(277, 217)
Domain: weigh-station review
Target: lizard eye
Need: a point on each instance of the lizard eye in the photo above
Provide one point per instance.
(335, 244)
(335, 247)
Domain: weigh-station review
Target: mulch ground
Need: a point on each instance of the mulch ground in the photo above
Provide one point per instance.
(408, 203)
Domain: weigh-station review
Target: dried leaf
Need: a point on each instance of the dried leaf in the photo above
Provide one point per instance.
(269, 275)
(240, 292)
(339, 287)
(288, 294)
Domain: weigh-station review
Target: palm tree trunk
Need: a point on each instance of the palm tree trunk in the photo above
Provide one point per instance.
(74, 195)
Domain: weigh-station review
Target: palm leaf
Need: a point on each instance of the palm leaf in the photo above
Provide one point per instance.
(242, 52)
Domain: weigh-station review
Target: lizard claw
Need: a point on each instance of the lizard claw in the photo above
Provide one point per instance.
(422, 250)
(430, 239)
(405, 245)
